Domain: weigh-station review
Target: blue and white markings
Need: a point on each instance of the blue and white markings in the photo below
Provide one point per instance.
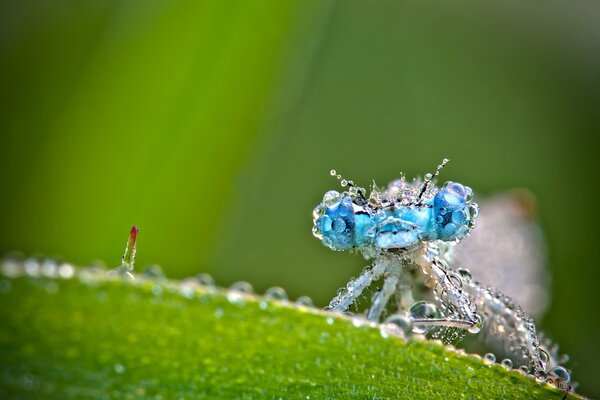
(408, 229)
(397, 218)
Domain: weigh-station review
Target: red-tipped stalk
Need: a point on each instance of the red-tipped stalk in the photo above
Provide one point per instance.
(129, 255)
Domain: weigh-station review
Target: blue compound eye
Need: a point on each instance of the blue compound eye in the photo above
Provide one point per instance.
(335, 225)
(454, 212)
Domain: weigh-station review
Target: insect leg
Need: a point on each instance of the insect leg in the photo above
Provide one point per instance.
(342, 301)
(382, 297)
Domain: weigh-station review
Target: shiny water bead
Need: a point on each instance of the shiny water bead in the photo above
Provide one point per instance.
(242, 286)
(154, 271)
(561, 377)
(477, 326)
(489, 357)
(464, 273)
(331, 197)
(49, 268)
(205, 279)
(507, 363)
(423, 310)
(304, 301)
(276, 293)
(524, 369)
(402, 322)
(540, 375)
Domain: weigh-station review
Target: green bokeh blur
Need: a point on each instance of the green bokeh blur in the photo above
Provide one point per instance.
(212, 125)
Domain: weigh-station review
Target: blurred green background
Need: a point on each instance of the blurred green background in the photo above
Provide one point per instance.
(213, 125)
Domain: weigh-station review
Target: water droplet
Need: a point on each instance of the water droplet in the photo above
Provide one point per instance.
(455, 279)
(49, 268)
(276, 293)
(490, 358)
(332, 172)
(423, 310)
(11, 268)
(402, 322)
(304, 301)
(236, 298)
(468, 194)
(32, 267)
(464, 273)
(330, 320)
(524, 369)
(544, 357)
(157, 290)
(242, 286)
(507, 363)
(541, 375)
(66, 271)
(428, 176)
(344, 182)
(205, 279)
(119, 369)
(476, 328)
(331, 197)
(473, 209)
(561, 373)
(153, 271)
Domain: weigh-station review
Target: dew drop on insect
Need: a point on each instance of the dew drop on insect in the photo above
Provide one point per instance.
(423, 310)
(304, 301)
(331, 197)
(544, 357)
(402, 322)
(242, 286)
(332, 172)
(476, 328)
(541, 375)
(490, 358)
(344, 182)
(428, 176)
(205, 279)
(455, 279)
(561, 373)
(276, 293)
(507, 363)
(468, 194)
(473, 210)
(464, 273)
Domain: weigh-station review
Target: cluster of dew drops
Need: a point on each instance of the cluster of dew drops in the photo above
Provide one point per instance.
(15, 265)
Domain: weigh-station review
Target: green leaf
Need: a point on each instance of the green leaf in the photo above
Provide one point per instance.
(93, 337)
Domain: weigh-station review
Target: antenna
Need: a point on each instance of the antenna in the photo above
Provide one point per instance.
(357, 189)
(429, 178)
